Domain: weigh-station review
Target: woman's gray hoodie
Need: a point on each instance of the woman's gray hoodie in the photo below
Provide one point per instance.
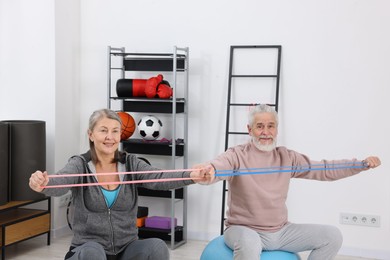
(115, 227)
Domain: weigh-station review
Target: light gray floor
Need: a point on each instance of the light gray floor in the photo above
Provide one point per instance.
(36, 249)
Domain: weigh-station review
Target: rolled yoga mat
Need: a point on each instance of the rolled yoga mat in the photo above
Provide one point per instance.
(27, 144)
(4, 172)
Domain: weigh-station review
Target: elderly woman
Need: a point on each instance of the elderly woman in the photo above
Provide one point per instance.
(104, 223)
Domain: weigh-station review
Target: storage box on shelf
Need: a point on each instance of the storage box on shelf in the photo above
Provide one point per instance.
(172, 65)
(19, 221)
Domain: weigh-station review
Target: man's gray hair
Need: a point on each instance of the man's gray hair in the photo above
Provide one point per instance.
(261, 108)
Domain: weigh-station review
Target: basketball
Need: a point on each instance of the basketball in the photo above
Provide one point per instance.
(128, 125)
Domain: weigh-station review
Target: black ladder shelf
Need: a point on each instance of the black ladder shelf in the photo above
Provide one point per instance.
(234, 52)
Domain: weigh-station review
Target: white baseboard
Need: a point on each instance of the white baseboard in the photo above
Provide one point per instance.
(193, 235)
(367, 253)
(59, 232)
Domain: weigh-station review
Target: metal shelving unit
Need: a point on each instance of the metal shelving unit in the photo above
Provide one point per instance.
(172, 63)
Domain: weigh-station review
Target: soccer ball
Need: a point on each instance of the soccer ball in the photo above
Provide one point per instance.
(149, 127)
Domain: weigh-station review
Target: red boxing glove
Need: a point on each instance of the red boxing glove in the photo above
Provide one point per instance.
(151, 86)
(164, 90)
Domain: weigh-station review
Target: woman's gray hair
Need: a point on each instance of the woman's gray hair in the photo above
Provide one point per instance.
(262, 108)
(93, 120)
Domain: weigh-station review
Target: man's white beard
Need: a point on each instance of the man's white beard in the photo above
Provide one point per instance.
(263, 147)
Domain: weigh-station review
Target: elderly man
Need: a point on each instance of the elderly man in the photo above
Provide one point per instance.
(257, 213)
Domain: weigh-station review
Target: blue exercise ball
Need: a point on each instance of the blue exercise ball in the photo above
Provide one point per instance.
(217, 249)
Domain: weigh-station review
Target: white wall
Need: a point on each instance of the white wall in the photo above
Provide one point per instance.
(334, 86)
(335, 79)
(27, 65)
(39, 76)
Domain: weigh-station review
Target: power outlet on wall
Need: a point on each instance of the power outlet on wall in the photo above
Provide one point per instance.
(360, 219)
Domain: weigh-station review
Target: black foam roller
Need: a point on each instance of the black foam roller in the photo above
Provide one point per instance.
(28, 154)
(124, 87)
(4, 179)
